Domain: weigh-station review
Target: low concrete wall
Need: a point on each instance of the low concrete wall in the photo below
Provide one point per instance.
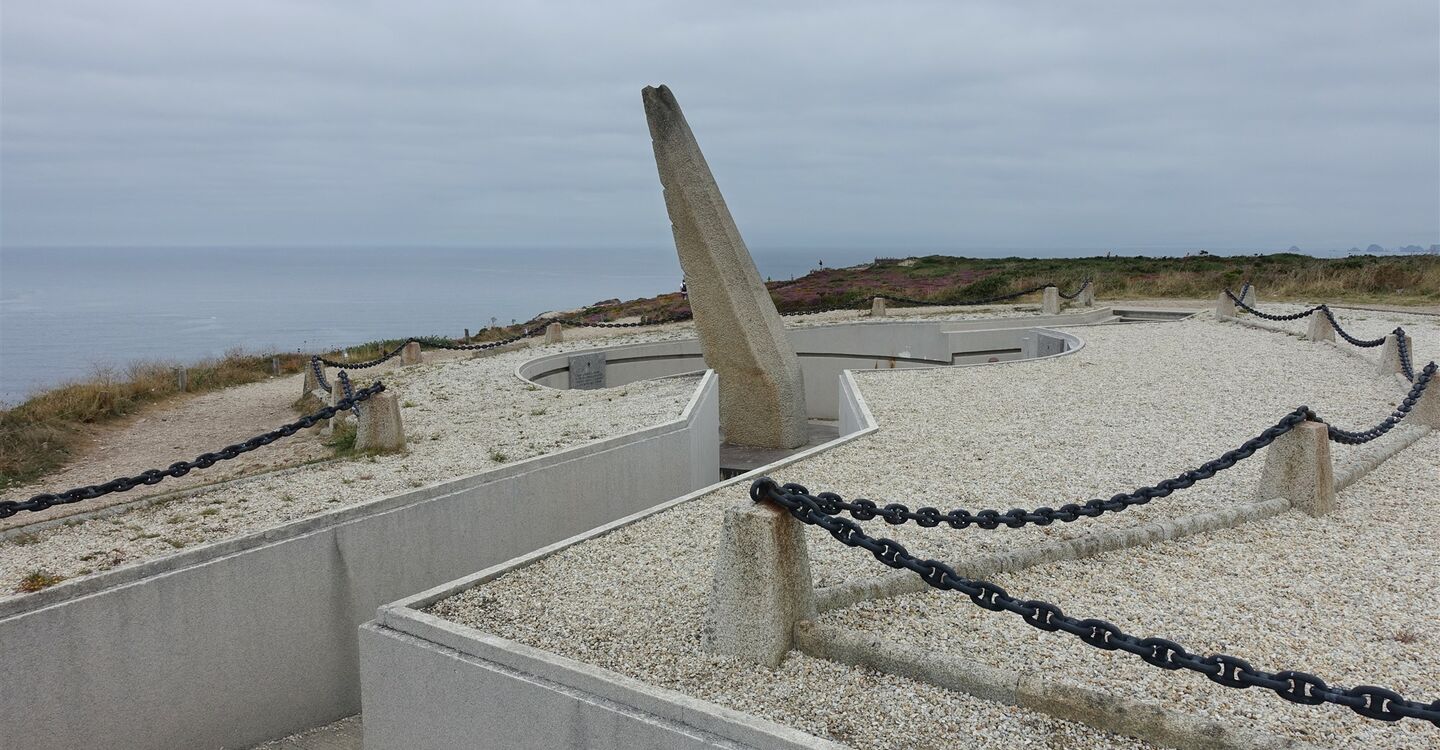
(827, 351)
(241, 641)
(430, 684)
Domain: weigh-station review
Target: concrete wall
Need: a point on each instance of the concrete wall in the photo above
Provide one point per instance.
(253, 638)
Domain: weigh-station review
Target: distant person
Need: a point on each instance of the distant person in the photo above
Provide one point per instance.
(684, 290)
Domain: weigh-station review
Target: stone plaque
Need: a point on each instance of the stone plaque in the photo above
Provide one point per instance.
(587, 371)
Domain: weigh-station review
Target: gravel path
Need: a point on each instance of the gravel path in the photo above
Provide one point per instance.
(1139, 403)
(462, 416)
(179, 430)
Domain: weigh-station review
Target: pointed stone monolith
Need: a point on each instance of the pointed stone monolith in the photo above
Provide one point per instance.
(762, 395)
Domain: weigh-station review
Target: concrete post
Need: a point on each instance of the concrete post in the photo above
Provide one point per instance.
(877, 307)
(1390, 354)
(761, 586)
(762, 393)
(311, 383)
(1426, 410)
(1320, 328)
(1250, 298)
(410, 355)
(1087, 295)
(182, 379)
(1050, 303)
(380, 429)
(1224, 306)
(467, 335)
(554, 333)
(274, 365)
(1297, 468)
(337, 394)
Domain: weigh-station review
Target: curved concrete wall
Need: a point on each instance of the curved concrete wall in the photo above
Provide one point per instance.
(253, 638)
(827, 351)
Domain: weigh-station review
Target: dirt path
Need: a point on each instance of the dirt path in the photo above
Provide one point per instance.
(179, 430)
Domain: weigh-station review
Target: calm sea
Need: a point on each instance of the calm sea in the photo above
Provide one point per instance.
(66, 312)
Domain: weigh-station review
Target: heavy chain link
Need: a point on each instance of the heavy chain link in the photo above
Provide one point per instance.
(1362, 343)
(181, 468)
(319, 371)
(960, 518)
(1270, 316)
(1348, 437)
(1077, 292)
(1402, 347)
(349, 393)
(1294, 686)
(1321, 308)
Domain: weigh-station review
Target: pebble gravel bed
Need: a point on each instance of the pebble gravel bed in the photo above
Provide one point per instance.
(1351, 598)
(462, 416)
(1137, 404)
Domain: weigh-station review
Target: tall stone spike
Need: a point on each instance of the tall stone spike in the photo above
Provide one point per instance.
(762, 395)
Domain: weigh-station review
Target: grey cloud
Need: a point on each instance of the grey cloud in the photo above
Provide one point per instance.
(850, 124)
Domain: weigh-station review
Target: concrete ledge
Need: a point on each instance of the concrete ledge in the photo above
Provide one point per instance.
(233, 643)
(1035, 691)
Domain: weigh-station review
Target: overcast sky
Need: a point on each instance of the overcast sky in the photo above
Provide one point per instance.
(887, 125)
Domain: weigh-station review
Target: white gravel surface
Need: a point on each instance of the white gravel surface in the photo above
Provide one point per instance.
(462, 416)
(1424, 330)
(1351, 598)
(1138, 404)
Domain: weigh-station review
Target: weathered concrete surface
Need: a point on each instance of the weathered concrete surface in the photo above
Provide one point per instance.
(761, 585)
(410, 355)
(1224, 306)
(1250, 297)
(554, 333)
(1087, 295)
(1298, 468)
(1320, 328)
(877, 307)
(762, 393)
(310, 382)
(379, 429)
(1390, 354)
(1050, 302)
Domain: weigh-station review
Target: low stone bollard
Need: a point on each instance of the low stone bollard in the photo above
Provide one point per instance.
(1320, 327)
(1298, 468)
(379, 429)
(467, 335)
(182, 379)
(274, 365)
(1390, 354)
(1087, 295)
(410, 355)
(1050, 303)
(877, 307)
(1224, 306)
(1426, 410)
(761, 585)
(1250, 297)
(554, 333)
(311, 383)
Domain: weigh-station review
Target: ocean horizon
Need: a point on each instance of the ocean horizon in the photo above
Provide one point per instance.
(69, 312)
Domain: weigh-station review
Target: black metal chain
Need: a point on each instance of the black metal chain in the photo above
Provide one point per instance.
(1077, 292)
(181, 468)
(898, 513)
(434, 344)
(319, 371)
(1294, 686)
(349, 393)
(1348, 437)
(1362, 343)
(1402, 348)
(1269, 316)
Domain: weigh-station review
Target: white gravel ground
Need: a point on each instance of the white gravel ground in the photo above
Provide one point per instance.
(462, 416)
(1351, 598)
(1139, 403)
(1424, 330)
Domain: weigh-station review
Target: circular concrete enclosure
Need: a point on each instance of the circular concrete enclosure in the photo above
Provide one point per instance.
(824, 352)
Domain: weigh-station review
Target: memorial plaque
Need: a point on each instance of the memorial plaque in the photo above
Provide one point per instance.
(587, 371)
